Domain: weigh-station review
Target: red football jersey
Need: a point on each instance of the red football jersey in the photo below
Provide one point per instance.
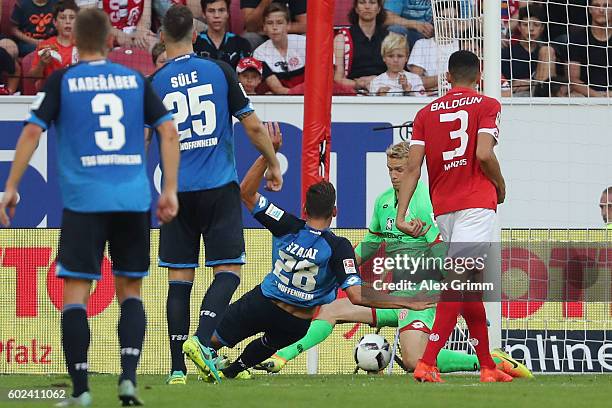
(123, 13)
(448, 128)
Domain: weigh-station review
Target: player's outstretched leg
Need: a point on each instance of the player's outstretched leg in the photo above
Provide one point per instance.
(256, 351)
(177, 315)
(131, 331)
(318, 331)
(75, 342)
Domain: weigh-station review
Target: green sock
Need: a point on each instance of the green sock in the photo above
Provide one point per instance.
(318, 331)
(450, 361)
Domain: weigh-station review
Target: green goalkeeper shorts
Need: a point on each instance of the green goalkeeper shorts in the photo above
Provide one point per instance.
(405, 319)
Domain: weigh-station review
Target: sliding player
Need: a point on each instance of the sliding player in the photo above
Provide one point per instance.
(414, 325)
(310, 264)
(457, 133)
(99, 110)
(203, 95)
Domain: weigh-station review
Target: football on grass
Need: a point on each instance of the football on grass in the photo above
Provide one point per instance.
(372, 353)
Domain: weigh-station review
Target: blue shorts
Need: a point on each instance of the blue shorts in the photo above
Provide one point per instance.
(216, 216)
(83, 238)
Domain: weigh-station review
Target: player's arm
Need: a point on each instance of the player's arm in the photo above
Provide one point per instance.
(252, 179)
(369, 297)
(343, 263)
(242, 109)
(44, 110)
(158, 117)
(490, 165)
(488, 135)
(416, 227)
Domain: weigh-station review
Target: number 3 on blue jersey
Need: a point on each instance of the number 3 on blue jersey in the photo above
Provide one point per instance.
(191, 104)
(111, 103)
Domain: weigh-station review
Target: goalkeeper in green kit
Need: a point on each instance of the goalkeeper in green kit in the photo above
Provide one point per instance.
(414, 326)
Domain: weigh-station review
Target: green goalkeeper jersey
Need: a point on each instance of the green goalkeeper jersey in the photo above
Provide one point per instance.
(382, 226)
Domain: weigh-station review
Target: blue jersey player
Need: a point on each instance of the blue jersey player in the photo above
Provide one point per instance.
(309, 263)
(203, 95)
(99, 110)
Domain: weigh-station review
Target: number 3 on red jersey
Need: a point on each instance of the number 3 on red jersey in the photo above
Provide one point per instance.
(460, 133)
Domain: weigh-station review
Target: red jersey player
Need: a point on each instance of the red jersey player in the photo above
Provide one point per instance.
(457, 133)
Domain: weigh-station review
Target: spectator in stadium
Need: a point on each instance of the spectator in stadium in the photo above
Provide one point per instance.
(605, 204)
(160, 7)
(428, 53)
(158, 54)
(357, 49)
(32, 22)
(131, 21)
(250, 72)
(253, 13)
(412, 18)
(590, 52)
(396, 81)
(509, 13)
(216, 42)
(529, 59)
(58, 51)
(555, 87)
(8, 44)
(284, 54)
(10, 71)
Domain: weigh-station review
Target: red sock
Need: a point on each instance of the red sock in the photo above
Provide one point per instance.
(476, 318)
(446, 319)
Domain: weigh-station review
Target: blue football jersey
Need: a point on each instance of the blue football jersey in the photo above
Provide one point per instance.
(99, 110)
(203, 95)
(308, 265)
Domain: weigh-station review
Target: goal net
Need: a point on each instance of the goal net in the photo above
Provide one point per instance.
(554, 151)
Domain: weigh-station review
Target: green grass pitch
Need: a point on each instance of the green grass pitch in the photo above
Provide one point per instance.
(269, 391)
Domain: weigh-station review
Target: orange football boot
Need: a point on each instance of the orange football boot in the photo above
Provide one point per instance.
(427, 373)
(493, 375)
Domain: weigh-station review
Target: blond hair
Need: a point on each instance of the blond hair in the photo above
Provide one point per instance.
(398, 151)
(393, 41)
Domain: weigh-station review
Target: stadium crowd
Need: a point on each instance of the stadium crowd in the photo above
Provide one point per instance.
(382, 47)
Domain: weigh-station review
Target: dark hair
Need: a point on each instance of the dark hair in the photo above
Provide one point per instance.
(552, 87)
(178, 22)
(380, 17)
(91, 30)
(320, 199)
(63, 5)
(157, 50)
(464, 66)
(532, 11)
(204, 3)
(277, 8)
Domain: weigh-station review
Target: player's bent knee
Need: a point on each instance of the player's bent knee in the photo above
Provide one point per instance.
(76, 291)
(127, 287)
(410, 362)
(233, 268)
(186, 275)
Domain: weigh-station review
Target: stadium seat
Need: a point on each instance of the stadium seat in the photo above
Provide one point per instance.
(236, 20)
(28, 85)
(135, 58)
(7, 9)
